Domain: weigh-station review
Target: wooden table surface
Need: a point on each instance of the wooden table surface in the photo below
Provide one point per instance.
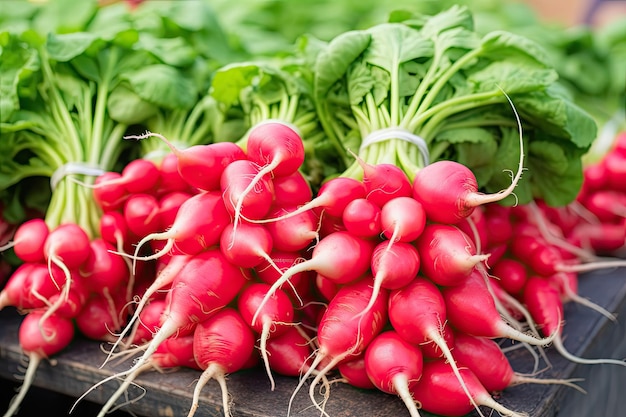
(587, 334)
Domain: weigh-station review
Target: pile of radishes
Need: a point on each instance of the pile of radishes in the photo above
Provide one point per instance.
(218, 258)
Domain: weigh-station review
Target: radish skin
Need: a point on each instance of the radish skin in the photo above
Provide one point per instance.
(392, 363)
(221, 345)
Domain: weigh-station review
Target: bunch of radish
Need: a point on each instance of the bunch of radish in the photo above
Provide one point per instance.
(224, 251)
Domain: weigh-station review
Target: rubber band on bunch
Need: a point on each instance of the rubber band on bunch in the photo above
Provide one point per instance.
(74, 168)
(389, 133)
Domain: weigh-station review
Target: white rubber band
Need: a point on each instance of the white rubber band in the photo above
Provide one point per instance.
(397, 133)
(73, 168)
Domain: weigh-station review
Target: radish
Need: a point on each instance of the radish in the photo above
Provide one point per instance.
(392, 363)
(39, 341)
(384, 182)
(448, 255)
(201, 166)
(498, 223)
(67, 246)
(275, 316)
(141, 214)
(417, 312)
(511, 275)
(471, 309)
(205, 285)
(266, 271)
(402, 219)
(339, 256)
(251, 246)
(354, 373)
(341, 334)
(292, 233)
(99, 319)
(392, 268)
(171, 179)
(221, 345)
(138, 176)
(29, 240)
(148, 322)
(292, 190)
(544, 303)
(198, 226)
(169, 204)
(242, 200)
(332, 197)
(109, 192)
(439, 391)
(485, 358)
(29, 287)
(277, 150)
(163, 280)
(449, 192)
(361, 217)
(289, 353)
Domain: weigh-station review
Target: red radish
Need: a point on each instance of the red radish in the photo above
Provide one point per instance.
(544, 303)
(292, 190)
(70, 304)
(293, 233)
(354, 373)
(448, 190)
(248, 248)
(384, 182)
(431, 350)
(361, 217)
(163, 280)
(221, 345)
(439, 391)
(171, 179)
(168, 207)
(68, 247)
(289, 353)
(608, 205)
(328, 224)
(615, 166)
(393, 267)
(198, 226)
(266, 271)
(205, 285)
(201, 166)
(339, 256)
(327, 288)
(99, 319)
(274, 318)
(141, 214)
(498, 223)
(402, 220)
(29, 240)
(486, 359)
(392, 363)
(471, 309)
(511, 275)
(277, 150)
(475, 226)
(149, 320)
(332, 197)
(39, 343)
(417, 312)
(108, 191)
(138, 176)
(601, 238)
(104, 271)
(240, 202)
(28, 287)
(113, 229)
(341, 334)
(567, 284)
(448, 255)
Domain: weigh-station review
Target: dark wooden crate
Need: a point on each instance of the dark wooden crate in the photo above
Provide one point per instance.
(587, 334)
